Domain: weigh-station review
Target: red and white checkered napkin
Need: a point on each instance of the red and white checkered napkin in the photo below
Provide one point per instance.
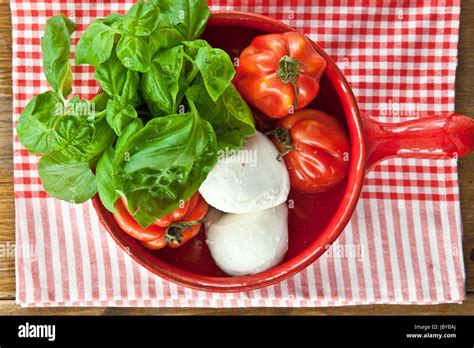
(403, 244)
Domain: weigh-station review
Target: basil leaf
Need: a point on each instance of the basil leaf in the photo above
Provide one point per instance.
(131, 87)
(112, 20)
(141, 19)
(107, 180)
(72, 134)
(165, 162)
(100, 101)
(192, 47)
(188, 17)
(134, 53)
(164, 38)
(79, 141)
(66, 179)
(82, 108)
(119, 114)
(46, 126)
(103, 137)
(95, 45)
(55, 46)
(160, 85)
(178, 21)
(216, 70)
(230, 116)
(35, 126)
(115, 79)
(129, 131)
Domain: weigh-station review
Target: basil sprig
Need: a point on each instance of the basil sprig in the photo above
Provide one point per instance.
(166, 108)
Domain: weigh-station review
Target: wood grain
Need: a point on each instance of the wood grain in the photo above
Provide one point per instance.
(7, 214)
(6, 150)
(7, 242)
(10, 308)
(464, 105)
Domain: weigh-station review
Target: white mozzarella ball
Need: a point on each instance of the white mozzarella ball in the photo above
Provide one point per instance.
(243, 244)
(248, 180)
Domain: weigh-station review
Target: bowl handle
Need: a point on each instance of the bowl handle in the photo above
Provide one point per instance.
(441, 136)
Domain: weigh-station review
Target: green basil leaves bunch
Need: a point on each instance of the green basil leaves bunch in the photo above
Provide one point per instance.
(71, 135)
(138, 35)
(166, 108)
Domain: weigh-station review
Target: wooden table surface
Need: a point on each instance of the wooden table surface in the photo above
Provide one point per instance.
(464, 105)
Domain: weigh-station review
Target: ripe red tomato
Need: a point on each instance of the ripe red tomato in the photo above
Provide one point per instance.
(127, 223)
(279, 73)
(315, 148)
(172, 230)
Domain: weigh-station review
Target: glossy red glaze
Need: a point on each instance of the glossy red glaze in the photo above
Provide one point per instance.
(443, 136)
(318, 219)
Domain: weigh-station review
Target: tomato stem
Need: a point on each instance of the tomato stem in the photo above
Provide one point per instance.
(174, 232)
(283, 137)
(288, 71)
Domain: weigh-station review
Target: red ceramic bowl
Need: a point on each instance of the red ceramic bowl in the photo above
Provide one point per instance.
(316, 220)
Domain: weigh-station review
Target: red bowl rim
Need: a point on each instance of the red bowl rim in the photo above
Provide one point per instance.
(328, 236)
